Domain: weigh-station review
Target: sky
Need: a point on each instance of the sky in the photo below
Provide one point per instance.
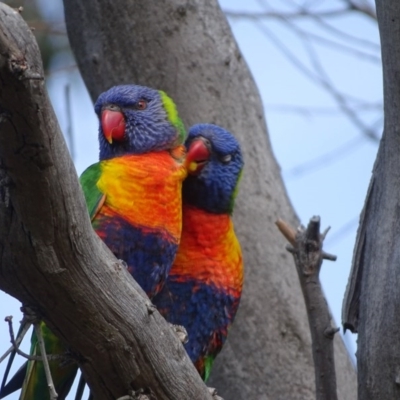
(325, 158)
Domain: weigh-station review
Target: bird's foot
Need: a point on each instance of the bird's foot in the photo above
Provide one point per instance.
(181, 332)
(70, 357)
(123, 264)
(137, 395)
(150, 307)
(214, 394)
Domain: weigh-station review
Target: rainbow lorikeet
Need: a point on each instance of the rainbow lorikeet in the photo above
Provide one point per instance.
(133, 195)
(203, 289)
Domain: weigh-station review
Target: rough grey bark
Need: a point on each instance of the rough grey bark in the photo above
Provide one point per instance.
(187, 48)
(52, 259)
(372, 301)
(306, 248)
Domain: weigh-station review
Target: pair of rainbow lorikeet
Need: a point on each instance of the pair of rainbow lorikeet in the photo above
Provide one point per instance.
(177, 239)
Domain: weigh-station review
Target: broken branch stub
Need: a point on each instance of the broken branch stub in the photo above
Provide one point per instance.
(306, 248)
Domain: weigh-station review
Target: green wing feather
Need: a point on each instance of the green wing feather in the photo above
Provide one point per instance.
(93, 196)
(208, 363)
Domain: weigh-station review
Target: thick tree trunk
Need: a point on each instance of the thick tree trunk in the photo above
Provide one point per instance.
(372, 300)
(52, 259)
(187, 49)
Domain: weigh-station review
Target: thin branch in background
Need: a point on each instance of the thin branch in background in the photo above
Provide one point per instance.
(318, 75)
(321, 79)
(345, 229)
(329, 157)
(287, 52)
(304, 111)
(339, 97)
(304, 12)
(364, 8)
(345, 35)
(310, 111)
(361, 6)
(256, 16)
(341, 47)
(69, 130)
(317, 17)
(66, 68)
(325, 159)
(333, 30)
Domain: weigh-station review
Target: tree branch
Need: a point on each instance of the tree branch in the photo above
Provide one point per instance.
(50, 256)
(306, 247)
(305, 12)
(301, 13)
(361, 6)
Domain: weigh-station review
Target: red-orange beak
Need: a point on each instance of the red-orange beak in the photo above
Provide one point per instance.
(113, 125)
(197, 156)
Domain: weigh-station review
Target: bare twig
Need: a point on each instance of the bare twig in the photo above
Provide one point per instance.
(304, 12)
(325, 159)
(341, 46)
(255, 16)
(330, 156)
(343, 230)
(328, 27)
(287, 231)
(15, 345)
(308, 255)
(341, 99)
(50, 384)
(17, 342)
(362, 7)
(309, 111)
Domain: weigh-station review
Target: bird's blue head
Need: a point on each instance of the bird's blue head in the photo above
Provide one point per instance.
(136, 120)
(215, 164)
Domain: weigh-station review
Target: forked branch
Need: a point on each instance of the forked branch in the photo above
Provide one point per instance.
(306, 248)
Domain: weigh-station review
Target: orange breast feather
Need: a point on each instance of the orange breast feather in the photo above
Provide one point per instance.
(145, 189)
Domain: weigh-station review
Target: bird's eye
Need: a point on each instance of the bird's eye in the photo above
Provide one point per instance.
(226, 159)
(112, 107)
(207, 143)
(141, 104)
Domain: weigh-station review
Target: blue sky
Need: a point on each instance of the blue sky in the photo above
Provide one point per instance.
(326, 161)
